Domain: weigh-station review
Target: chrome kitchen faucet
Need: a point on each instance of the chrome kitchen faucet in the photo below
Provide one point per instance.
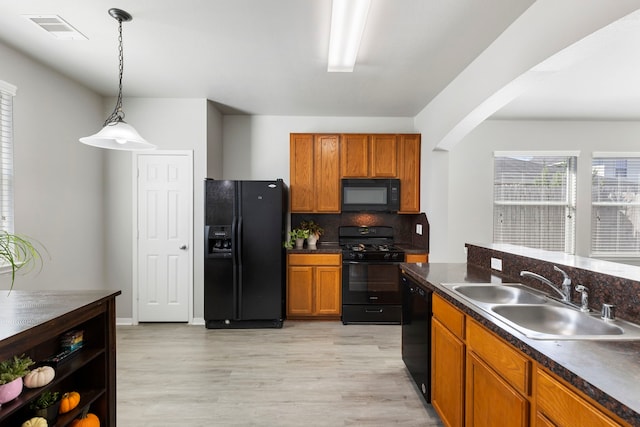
(565, 292)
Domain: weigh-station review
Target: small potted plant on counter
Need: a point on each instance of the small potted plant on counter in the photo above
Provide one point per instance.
(11, 373)
(315, 231)
(296, 235)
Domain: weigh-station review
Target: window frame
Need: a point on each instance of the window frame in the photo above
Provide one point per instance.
(7, 214)
(569, 203)
(599, 252)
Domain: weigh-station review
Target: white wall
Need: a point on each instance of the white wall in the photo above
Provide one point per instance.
(507, 67)
(257, 147)
(58, 180)
(171, 124)
(470, 175)
(214, 141)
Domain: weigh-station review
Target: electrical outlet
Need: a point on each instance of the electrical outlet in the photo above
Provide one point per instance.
(419, 229)
(496, 264)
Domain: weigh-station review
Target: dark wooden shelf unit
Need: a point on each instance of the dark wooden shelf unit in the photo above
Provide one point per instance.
(32, 323)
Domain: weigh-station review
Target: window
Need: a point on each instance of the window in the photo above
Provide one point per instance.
(534, 200)
(7, 92)
(615, 205)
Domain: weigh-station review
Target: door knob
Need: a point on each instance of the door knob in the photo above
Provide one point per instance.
(183, 247)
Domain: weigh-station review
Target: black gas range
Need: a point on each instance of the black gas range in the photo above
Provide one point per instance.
(371, 291)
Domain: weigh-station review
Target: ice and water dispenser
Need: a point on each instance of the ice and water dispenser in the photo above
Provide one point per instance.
(218, 241)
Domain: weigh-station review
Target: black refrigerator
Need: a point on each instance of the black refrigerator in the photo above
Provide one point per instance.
(244, 260)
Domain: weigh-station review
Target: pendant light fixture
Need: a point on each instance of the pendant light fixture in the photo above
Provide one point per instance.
(116, 133)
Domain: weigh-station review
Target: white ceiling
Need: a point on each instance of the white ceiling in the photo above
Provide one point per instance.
(269, 56)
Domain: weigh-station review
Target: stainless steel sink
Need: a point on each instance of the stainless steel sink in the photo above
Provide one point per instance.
(499, 294)
(554, 320)
(538, 316)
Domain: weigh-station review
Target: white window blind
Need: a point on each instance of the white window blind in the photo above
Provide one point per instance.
(534, 201)
(615, 211)
(7, 93)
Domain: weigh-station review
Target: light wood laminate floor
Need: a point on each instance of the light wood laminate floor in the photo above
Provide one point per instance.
(305, 374)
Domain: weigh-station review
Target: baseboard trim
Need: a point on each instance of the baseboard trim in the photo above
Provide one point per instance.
(198, 321)
(128, 321)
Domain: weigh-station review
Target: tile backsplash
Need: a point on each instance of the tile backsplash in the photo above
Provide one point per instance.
(404, 225)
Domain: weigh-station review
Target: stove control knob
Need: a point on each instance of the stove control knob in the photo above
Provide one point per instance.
(386, 256)
(360, 255)
(395, 256)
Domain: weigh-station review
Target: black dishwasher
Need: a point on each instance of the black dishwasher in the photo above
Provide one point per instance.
(416, 334)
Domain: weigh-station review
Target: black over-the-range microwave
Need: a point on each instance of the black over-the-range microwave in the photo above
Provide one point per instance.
(370, 195)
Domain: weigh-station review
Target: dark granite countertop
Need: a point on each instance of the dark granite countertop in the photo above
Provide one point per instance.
(607, 371)
(410, 249)
(321, 248)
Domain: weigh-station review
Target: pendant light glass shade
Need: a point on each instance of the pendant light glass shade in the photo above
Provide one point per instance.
(118, 136)
(116, 133)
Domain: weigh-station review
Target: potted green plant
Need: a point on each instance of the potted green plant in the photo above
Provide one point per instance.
(47, 406)
(18, 253)
(296, 235)
(315, 231)
(11, 373)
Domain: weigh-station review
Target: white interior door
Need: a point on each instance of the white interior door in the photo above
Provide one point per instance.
(165, 205)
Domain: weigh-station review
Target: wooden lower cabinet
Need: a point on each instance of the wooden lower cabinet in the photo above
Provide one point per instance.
(490, 398)
(558, 405)
(412, 258)
(478, 380)
(314, 286)
(447, 374)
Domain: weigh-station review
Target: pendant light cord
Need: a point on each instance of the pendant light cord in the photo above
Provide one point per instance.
(118, 115)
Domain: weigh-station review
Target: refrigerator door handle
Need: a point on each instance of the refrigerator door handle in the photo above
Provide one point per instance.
(234, 260)
(239, 255)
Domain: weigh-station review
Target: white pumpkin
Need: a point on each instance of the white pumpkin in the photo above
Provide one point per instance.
(35, 422)
(39, 377)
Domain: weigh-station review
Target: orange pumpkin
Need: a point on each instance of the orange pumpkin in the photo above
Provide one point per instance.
(69, 401)
(89, 420)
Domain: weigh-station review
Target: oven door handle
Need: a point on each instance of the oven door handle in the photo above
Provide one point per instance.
(373, 310)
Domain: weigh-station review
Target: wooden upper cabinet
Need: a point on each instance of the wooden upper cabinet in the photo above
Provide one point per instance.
(314, 167)
(383, 151)
(319, 161)
(354, 159)
(301, 156)
(327, 173)
(409, 172)
(368, 156)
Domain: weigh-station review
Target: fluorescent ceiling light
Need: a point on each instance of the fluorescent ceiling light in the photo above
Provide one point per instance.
(348, 18)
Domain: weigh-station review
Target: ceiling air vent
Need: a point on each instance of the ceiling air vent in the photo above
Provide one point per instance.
(56, 26)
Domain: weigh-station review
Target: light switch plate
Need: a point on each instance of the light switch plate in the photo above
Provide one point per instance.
(496, 264)
(419, 229)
